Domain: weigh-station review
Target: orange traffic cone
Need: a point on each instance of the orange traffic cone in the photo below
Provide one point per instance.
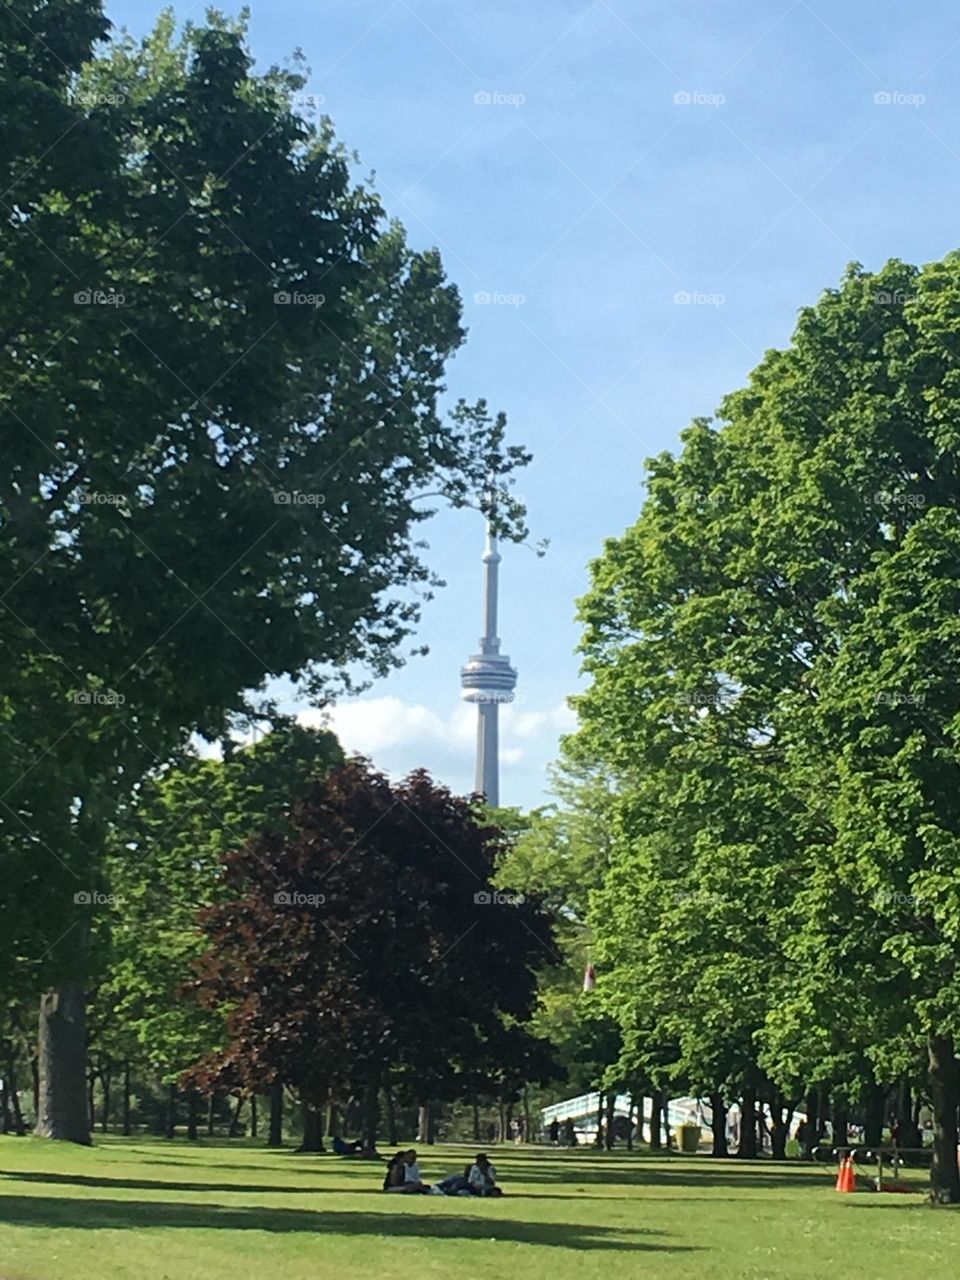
(846, 1178)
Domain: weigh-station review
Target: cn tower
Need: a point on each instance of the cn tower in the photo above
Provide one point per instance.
(488, 679)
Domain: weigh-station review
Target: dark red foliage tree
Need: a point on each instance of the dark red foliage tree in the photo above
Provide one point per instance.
(368, 947)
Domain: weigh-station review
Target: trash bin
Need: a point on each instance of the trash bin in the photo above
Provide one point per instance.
(690, 1138)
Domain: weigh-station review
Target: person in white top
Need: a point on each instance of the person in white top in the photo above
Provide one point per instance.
(482, 1178)
(411, 1172)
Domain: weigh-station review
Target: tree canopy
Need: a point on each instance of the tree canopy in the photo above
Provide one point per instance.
(221, 433)
(367, 946)
(770, 655)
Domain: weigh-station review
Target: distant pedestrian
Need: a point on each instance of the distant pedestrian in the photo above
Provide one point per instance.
(554, 1132)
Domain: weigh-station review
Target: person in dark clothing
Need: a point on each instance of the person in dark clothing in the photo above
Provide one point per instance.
(554, 1132)
(456, 1184)
(341, 1148)
(393, 1179)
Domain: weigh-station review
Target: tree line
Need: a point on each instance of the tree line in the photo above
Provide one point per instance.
(286, 923)
(774, 708)
(221, 366)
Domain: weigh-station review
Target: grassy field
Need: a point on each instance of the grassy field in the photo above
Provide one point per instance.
(153, 1210)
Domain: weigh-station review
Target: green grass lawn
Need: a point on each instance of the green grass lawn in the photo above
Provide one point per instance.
(154, 1210)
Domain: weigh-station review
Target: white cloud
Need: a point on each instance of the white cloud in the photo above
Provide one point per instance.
(372, 725)
(530, 724)
(400, 736)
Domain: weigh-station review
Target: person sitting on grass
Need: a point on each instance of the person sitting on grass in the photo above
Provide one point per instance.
(393, 1178)
(341, 1148)
(403, 1175)
(482, 1178)
(456, 1184)
(411, 1173)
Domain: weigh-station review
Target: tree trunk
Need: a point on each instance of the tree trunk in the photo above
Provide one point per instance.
(423, 1122)
(641, 1108)
(656, 1119)
(476, 1119)
(91, 1085)
(747, 1148)
(171, 1110)
(779, 1127)
(275, 1135)
(193, 1114)
(19, 1128)
(333, 1118)
(811, 1134)
(838, 1121)
(35, 1078)
(944, 1096)
(7, 1124)
(126, 1099)
(253, 1115)
(61, 1063)
(525, 1136)
(609, 1137)
(601, 1099)
(234, 1130)
(718, 1126)
(665, 1113)
(391, 1116)
(106, 1075)
(312, 1128)
(874, 1107)
(212, 1114)
(502, 1121)
(371, 1116)
(630, 1112)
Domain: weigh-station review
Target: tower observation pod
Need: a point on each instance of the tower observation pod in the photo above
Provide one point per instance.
(488, 680)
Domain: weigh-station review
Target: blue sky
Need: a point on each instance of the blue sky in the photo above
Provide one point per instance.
(619, 154)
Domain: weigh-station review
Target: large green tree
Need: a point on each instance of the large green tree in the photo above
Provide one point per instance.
(782, 621)
(163, 867)
(221, 366)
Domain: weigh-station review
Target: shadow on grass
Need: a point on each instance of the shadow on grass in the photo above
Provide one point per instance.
(910, 1200)
(299, 1161)
(552, 1170)
(139, 1215)
(712, 1175)
(372, 1165)
(141, 1184)
(159, 1184)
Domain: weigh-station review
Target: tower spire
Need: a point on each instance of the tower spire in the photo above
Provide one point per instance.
(488, 679)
